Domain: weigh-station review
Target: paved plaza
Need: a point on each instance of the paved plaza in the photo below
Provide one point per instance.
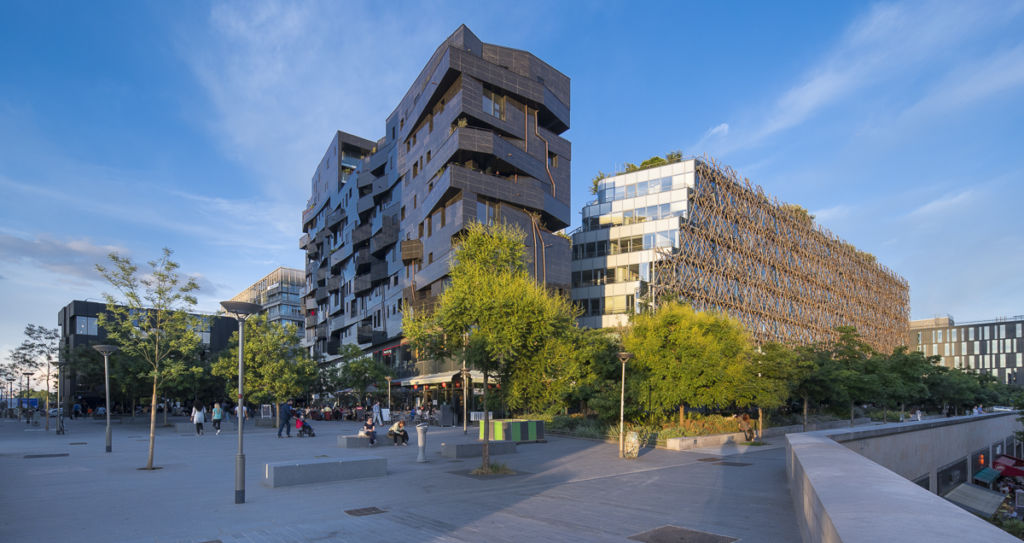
(66, 488)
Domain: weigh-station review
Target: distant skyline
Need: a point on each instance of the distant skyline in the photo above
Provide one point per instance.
(130, 126)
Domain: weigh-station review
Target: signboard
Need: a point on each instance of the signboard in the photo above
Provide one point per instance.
(385, 414)
(266, 411)
(32, 403)
(479, 415)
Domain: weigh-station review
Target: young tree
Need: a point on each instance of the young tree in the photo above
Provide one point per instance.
(42, 345)
(814, 376)
(852, 354)
(768, 380)
(493, 305)
(360, 373)
(150, 319)
(277, 368)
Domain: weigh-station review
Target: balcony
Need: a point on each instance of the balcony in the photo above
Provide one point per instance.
(310, 303)
(364, 333)
(365, 179)
(303, 241)
(412, 249)
(321, 293)
(365, 203)
(337, 323)
(361, 233)
(363, 260)
(337, 257)
(361, 284)
(333, 283)
(321, 332)
(385, 237)
(310, 321)
(333, 346)
(334, 217)
(378, 270)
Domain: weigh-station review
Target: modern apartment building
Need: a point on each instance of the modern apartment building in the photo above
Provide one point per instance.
(280, 294)
(690, 230)
(475, 138)
(993, 346)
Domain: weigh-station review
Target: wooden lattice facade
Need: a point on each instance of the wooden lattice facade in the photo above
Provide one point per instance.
(769, 266)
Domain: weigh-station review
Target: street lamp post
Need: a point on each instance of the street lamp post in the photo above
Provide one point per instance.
(106, 351)
(10, 394)
(60, 404)
(28, 396)
(241, 310)
(465, 394)
(388, 377)
(623, 357)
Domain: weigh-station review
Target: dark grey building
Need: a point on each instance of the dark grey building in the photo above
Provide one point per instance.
(993, 346)
(79, 327)
(475, 138)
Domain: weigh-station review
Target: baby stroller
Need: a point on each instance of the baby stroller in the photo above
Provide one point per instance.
(305, 430)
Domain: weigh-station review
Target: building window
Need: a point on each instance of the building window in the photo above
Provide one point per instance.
(552, 160)
(86, 326)
(494, 104)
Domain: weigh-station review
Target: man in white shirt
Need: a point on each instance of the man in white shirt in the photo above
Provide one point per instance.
(244, 414)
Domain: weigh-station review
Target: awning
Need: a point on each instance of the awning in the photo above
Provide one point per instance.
(1009, 465)
(987, 475)
(976, 499)
(433, 379)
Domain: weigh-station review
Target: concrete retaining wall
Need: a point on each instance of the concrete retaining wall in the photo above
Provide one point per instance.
(717, 440)
(319, 470)
(842, 496)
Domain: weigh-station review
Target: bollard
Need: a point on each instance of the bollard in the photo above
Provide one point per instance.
(421, 435)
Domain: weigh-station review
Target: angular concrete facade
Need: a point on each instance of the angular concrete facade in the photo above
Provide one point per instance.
(475, 138)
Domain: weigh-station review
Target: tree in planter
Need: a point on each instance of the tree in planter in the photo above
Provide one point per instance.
(687, 357)
(277, 368)
(768, 380)
(359, 373)
(42, 345)
(150, 319)
(852, 355)
(492, 311)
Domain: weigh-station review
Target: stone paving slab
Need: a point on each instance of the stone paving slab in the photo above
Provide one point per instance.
(565, 490)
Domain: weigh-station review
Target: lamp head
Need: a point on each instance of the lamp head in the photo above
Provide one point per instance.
(625, 356)
(105, 349)
(241, 310)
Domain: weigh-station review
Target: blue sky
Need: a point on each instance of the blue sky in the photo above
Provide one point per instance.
(131, 126)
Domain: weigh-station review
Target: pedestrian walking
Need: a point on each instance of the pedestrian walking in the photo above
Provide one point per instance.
(198, 416)
(218, 414)
(241, 414)
(285, 412)
(377, 418)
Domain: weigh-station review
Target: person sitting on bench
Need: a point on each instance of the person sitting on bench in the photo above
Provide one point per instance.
(397, 432)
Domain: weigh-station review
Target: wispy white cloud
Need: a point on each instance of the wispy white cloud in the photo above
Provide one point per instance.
(282, 77)
(888, 42)
(944, 204)
(834, 213)
(75, 258)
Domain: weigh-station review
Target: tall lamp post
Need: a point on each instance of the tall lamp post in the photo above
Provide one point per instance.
(465, 398)
(623, 357)
(60, 402)
(28, 395)
(10, 393)
(106, 351)
(241, 311)
(388, 377)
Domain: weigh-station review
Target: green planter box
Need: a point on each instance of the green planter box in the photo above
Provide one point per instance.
(517, 430)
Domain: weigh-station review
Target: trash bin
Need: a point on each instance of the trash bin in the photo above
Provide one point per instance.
(632, 445)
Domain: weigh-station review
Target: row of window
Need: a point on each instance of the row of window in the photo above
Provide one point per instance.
(984, 332)
(988, 361)
(976, 347)
(609, 305)
(636, 216)
(669, 238)
(641, 188)
(606, 276)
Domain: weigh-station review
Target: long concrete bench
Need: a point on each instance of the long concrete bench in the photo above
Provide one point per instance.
(470, 450)
(320, 470)
(358, 442)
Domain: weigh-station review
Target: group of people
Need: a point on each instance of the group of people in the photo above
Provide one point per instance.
(216, 415)
(396, 432)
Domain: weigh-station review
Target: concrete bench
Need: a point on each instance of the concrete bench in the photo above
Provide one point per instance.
(470, 450)
(321, 470)
(358, 442)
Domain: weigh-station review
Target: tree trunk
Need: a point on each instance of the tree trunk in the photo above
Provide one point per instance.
(851, 414)
(135, 402)
(805, 413)
(760, 423)
(682, 414)
(277, 414)
(486, 453)
(152, 425)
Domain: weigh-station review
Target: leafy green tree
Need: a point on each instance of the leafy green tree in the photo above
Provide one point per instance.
(277, 368)
(360, 373)
(688, 357)
(150, 319)
(852, 354)
(42, 345)
(814, 376)
(330, 373)
(596, 364)
(903, 376)
(768, 380)
(491, 305)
